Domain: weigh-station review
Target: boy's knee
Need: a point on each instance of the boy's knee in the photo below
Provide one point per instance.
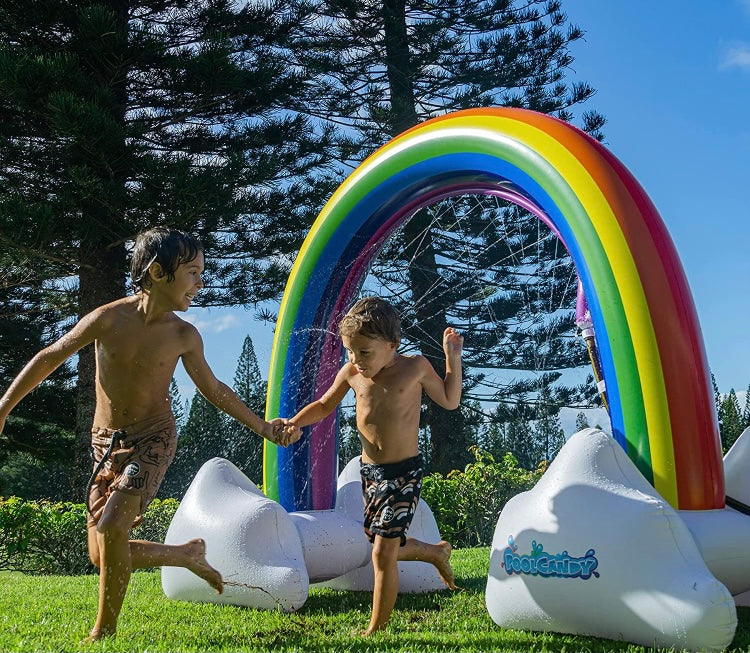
(112, 528)
(385, 550)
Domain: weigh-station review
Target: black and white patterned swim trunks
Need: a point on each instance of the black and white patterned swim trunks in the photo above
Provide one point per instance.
(391, 493)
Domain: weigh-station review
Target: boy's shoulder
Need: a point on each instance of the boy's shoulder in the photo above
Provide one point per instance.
(416, 366)
(412, 360)
(126, 308)
(113, 311)
(412, 364)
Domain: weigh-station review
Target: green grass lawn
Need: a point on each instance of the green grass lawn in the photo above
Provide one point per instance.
(54, 613)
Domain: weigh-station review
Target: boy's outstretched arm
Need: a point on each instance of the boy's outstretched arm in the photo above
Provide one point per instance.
(48, 360)
(225, 399)
(321, 408)
(445, 392)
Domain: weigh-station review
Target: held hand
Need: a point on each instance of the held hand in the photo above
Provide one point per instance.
(453, 342)
(284, 432)
(292, 432)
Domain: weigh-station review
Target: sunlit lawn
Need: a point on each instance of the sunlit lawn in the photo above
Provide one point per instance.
(54, 613)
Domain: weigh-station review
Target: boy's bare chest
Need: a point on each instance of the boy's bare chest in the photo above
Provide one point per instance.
(139, 347)
(385, 396)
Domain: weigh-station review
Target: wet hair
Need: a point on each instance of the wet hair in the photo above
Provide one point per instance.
(167, 247)
(372, 317)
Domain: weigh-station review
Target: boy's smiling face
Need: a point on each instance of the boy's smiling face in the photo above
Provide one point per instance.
(369, 355)
(186, 284)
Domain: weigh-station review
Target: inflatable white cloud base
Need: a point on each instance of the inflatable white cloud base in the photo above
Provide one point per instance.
(269, 557)
(722, 536)
(250, 539)
(593, 549)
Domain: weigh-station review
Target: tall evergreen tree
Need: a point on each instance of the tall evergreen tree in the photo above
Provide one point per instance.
(717, 395)
(390, 64)
(548, 431)
(117, 115)
(730, 420)
(178, 407)
(518, 439)
(349, 442)
(204, 436)
(581, 422)
(245, 447)
(39, 434)
(746, 409)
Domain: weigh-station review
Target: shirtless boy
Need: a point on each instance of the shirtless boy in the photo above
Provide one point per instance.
(388, 389)
(138, 341)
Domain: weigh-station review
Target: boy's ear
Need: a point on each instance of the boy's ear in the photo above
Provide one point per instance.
(156, 272)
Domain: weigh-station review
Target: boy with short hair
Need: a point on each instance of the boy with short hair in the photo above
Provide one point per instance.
(388, 388)
(138, 341)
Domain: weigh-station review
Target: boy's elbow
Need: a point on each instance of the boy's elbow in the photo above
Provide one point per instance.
(449, 404)
(214, 393)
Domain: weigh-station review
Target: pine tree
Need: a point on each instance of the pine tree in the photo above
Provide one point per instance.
(730, 420)
(520, 440)
(39, 434)
(746, 410)
(349, 443)
(387, 66)
(548, 433)
(245, 447)
(204, 436)
(116, 116)
(717, 395)
(581, 422)
(491, 438)
(178, 407)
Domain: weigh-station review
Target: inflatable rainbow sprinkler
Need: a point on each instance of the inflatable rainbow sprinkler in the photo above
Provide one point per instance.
(649, 340)
(665, 442)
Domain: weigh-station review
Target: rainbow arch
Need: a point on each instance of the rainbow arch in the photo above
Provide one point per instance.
(650, 344)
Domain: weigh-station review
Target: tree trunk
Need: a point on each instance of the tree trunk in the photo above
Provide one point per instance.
(101, 277)
(447, 428)
(101, 281)
(448, 439)
(398, 67)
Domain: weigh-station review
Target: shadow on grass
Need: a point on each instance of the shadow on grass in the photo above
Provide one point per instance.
(325, 601)
(472, 584)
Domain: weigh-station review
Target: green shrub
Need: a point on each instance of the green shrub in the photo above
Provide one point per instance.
(156, 520)
(466, 504)
(44, 537)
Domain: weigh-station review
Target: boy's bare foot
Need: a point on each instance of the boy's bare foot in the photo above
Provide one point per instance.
(199, 566)
(443, 565)
(97, 634)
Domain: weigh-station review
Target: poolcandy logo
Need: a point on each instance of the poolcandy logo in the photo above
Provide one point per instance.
(541, 563)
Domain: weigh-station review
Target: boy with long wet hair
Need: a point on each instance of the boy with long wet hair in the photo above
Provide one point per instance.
(138, 342)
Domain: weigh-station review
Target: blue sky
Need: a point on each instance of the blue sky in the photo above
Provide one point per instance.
(673, 80)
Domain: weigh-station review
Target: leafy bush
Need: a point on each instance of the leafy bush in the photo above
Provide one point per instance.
(156, 520)
(44, 537)
(466, 504)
